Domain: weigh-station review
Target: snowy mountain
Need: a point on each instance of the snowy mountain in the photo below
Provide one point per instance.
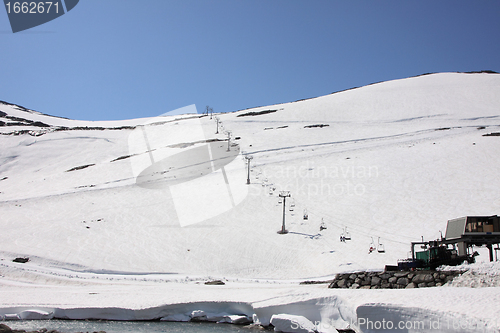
(393, 160)
(388, 163)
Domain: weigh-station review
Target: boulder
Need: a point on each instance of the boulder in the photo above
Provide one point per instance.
(21, 260)
(198, 315)
(215, 283)
(418, 278)
(376, 281)
(402, 281)
(366, 282)
(5, 329)
(429, 278)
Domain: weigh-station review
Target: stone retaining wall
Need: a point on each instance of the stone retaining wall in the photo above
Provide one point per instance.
(393, 280)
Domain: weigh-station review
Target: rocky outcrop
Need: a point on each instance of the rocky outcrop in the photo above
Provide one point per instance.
(393, 280)
(215, 283)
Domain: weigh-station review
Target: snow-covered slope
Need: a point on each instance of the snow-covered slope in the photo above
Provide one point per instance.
(394, 160)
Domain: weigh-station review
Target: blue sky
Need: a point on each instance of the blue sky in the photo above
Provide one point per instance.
(120, 59)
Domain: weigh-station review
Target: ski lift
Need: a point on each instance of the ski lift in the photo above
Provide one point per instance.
(280, 200)
(347, 234)
(306, 216)
(292, 205)
(372, 247)
(380, 247)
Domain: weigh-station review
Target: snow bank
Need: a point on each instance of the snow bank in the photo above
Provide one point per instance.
(390, 318)
(218, 312)
(26, 314)
(325, 312)
(480, 275)
(415, 310)
(290, 323)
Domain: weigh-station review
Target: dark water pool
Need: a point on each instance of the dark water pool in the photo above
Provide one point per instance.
(73, 326)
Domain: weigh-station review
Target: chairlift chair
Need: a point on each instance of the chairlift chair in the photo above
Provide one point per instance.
(380, 247)
(322, 226)
(306, 216)
(372, 247)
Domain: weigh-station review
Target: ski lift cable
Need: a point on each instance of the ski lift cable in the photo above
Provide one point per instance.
(360, 229)
(342, 225)
(373, 230)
